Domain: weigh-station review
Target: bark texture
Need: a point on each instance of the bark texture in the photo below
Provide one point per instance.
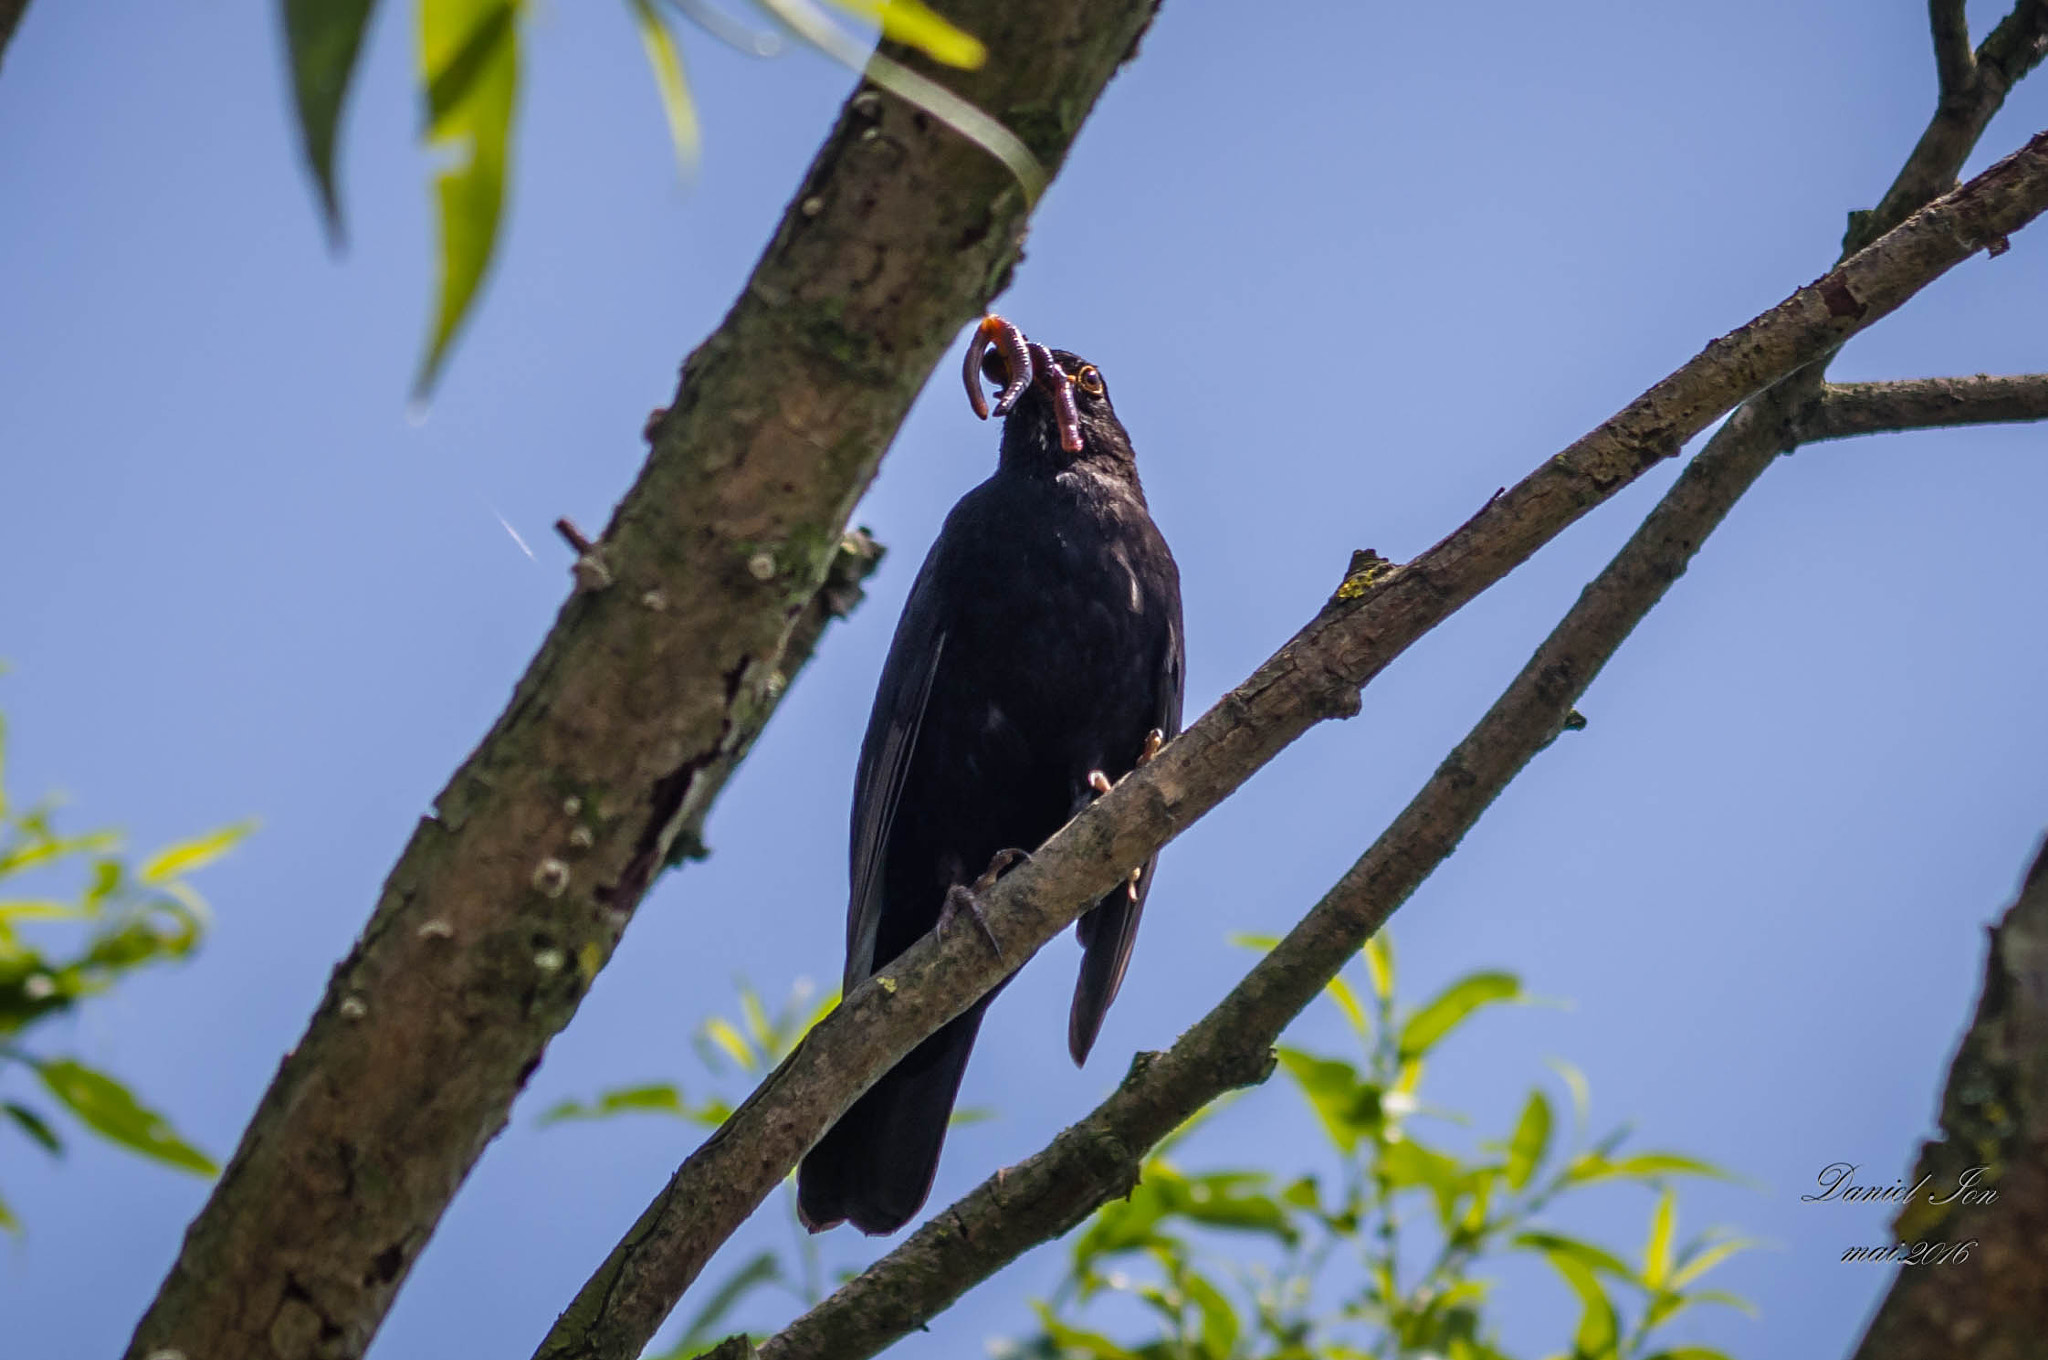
(1847, 409)
(663, 663)
(1992, 1305)
(1375, 614)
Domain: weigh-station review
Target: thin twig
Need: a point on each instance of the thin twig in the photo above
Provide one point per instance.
(572, 535)
(1374, 616)
(1953, 59)
(1848, 409)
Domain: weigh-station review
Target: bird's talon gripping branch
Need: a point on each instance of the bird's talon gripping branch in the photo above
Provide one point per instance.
(1153, 741)
(965, 899)
(1098, 781)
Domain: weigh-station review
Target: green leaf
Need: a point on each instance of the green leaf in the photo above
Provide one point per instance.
(1657, 1250)
(1219, 1320)
(1232, 1200)
(1347, 1001)
(1379, 965)
(1575, 1080)
(814, 26)
(8, 1222)
(1429, 1025)
(1262, 943)
(1530, 1142)
(1598, 1334)
(971, 1114)
(37, 909)
(469, 66)
(650, 1099)
(1689, 1353)
(182, 857)
(1407, 1164)
(1072, 1341)
(1643, 1166)
(1693, 1265)
(34, 1126)
(1557, 1245)
(755, 1016)
(1346, 1105)
(759, 1270)
(108, 1109)
(721, 1032)
(915, 25)
(323, 38)
(669, 78)
(44, 847)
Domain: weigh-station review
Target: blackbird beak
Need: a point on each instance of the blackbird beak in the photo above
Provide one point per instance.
(1023, 363)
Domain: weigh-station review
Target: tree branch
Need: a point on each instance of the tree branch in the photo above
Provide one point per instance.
(1953, 60)
(1090, 1163)
(1376, 613)
(1991, 1304)
(2014, 48)
(1844, 410)
(1098, 1158)
(659, 670)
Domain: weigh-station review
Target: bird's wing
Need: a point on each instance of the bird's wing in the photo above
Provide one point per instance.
(1110, 928)
(891, 740)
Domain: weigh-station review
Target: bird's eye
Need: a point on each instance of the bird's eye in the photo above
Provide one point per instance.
(1090, 380)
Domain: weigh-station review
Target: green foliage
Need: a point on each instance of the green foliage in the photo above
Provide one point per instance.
(1387, 1262)
(748, 1046)
(469, 75)
(58, 947)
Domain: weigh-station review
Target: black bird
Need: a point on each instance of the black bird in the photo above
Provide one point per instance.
(1038, 659)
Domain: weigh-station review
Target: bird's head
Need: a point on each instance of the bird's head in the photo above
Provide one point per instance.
(1055, 404)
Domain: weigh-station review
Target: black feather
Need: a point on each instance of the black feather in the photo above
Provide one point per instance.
(1041, 642)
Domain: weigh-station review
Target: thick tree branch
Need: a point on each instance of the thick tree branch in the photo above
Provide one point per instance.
(1992, 1303)
(1843, 410)
(660, 668)
(1378, 611)
(1955, 63)
(1098, 1158)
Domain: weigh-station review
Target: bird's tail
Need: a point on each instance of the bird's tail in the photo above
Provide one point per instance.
(874, 1168)
(1107, 931)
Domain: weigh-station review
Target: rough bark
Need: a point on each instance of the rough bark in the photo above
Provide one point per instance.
(1843, 410)
(1376, 613)
(1993, 1303)
(659, 669)
(2013, 48)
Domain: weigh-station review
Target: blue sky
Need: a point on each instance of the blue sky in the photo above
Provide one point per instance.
(1349, 268)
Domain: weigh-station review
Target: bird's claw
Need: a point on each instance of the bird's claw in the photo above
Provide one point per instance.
(1099, 781)
(965, 899)
(1153, 741)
